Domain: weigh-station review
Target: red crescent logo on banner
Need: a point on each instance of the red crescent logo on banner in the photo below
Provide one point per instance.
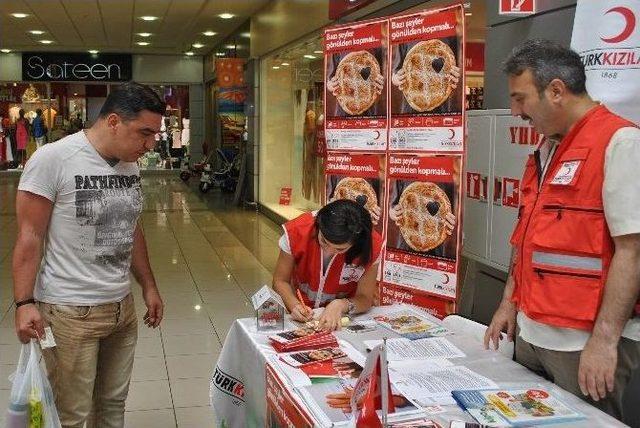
(446, 278)
(453, 133)
(630, 24)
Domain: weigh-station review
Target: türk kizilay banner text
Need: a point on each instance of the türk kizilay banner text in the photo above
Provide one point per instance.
(606, 36)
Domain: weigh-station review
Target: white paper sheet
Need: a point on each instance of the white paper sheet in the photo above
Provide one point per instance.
(434, 387)
(400, 349)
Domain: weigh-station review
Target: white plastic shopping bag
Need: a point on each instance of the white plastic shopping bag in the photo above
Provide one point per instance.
(31, 404)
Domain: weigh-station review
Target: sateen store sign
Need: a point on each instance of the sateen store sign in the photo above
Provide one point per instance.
(66, 67)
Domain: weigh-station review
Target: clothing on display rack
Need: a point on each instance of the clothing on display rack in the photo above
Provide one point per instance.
(185, 132)
(176, 137)
(22, 134)
(49, 116)
(14, 113)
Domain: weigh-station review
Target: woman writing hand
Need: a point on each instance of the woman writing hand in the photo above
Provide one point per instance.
(331, 258)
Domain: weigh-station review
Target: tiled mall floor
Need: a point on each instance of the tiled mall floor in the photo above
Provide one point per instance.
(208, 259)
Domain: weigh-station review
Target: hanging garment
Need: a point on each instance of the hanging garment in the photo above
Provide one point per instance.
(22, 134)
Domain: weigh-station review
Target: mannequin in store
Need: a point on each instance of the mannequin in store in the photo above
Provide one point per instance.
(185, 131)
(22, 137)
(318, 253)
(39, 129)
(76, 123)
(14, 113)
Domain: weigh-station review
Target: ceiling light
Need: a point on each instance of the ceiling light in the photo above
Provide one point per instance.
(46, 42)
(230, 46)
(197, 307)
(148, 18)
(246, 35)
(142, 43)
(19, 15)
(468, 14)
(310, 56)
(37, 32)
(93, 51)
(189, 53)
(144, 34)
(226, 15)
(275, 67)
(318, 52)
(197, 45)
(5, 50)
(219, 53)
(209, 33)
(75, 94)
(285, 64)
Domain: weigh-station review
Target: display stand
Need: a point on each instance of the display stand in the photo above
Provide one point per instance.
(399, 150)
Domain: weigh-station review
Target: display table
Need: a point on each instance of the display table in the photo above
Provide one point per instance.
(245, 378)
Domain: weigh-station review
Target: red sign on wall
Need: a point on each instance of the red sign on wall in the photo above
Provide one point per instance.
(523, 7)
(285, 196)
(474, 56)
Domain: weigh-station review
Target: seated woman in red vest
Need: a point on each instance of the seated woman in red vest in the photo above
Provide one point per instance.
(332, 258)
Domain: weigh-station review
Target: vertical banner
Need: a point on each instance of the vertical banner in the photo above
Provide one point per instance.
(422, 223)
(231, 96)
(358, 177)
(355, 84)
(427, 81)
(606, 36)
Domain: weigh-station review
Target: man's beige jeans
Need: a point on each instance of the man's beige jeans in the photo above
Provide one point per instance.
(90, 368)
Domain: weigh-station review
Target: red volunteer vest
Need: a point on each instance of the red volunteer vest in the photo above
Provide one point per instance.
(564, 247)
(341, 279)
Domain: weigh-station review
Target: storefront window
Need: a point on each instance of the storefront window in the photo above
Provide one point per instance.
(292, 114)
(20, 103)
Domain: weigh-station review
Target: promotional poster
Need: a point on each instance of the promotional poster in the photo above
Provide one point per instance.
(422, 222)
(427, 81)
(360, 178)
(355, 86)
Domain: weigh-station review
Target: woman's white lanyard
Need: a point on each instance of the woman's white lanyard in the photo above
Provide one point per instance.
(323, 277)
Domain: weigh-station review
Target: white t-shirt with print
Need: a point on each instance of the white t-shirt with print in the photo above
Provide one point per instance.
(621, 199)
(87, 253)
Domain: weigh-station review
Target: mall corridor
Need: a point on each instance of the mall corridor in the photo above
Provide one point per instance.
(207, 259)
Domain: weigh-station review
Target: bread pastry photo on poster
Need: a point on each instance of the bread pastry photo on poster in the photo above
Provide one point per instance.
(355, 86)
(360, 178)
(423, 222)
(427, 81)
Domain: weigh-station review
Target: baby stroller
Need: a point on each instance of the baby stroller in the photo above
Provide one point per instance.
(226, 177)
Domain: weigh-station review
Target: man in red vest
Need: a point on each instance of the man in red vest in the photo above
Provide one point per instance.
(574, 281)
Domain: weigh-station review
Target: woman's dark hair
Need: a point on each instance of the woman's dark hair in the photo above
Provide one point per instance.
(344, 221)
(129, 99)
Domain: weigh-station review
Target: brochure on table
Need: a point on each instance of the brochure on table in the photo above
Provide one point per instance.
(394, 103)
(515, 407)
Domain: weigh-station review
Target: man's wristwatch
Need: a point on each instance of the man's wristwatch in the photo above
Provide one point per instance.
(25, 302)
(351, 307)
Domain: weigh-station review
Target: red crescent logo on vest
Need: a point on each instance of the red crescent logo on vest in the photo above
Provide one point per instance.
(629, 26)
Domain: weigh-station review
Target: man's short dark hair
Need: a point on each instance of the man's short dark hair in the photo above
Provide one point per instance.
(129, 99)
(547, 60)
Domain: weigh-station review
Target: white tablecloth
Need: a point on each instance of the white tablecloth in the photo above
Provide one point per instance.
(237, 389)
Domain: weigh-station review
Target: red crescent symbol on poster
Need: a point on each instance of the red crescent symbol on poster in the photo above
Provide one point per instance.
(446, 279)
(377, 134)
(630, 24)
(453, 133)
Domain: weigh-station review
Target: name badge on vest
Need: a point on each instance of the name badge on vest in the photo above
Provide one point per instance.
(566, 174)
(350, 273)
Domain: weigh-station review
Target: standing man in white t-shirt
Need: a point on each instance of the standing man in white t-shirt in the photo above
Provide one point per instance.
(574, 282)
(77, 206)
